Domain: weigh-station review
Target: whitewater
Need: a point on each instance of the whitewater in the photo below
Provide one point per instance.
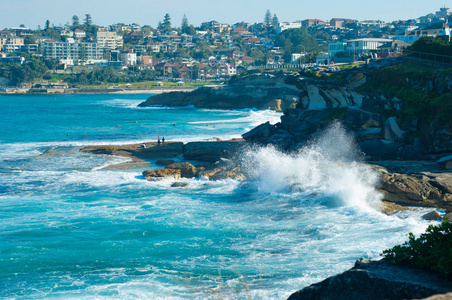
(73, 228)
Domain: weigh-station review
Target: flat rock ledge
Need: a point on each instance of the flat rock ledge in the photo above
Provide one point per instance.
(403, 186)
(207, 151)
(376, 280)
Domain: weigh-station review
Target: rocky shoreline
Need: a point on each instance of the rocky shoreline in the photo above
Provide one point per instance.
(412, 158)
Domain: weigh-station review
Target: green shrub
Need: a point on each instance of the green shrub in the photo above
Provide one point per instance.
(431, 251)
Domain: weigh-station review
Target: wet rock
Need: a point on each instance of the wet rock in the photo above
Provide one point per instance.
(376, 280)
(211, 151)
(164, 162)
(432, 216)
(445, 162)
(159, 174)
(447, 296)
(260, 133)
(180, 184)
(359, 118)
(448, 216)
(187, 170)
(411, 152)
(392, 131)
(409, 190)
(380, 149)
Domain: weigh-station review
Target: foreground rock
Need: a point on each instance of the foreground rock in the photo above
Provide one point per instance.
(376, 280)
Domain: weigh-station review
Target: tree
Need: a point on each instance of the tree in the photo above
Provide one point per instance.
(75, 21)
(296, 40)
(47, 25)
(275, 21)
(166, 25)
(88, 20)
(184, 26)
(268, 19)
(29, 40)
(22, 26)
(83, 54)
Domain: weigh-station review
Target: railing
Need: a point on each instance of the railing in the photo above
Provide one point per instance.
(278, 66)
(431, 57)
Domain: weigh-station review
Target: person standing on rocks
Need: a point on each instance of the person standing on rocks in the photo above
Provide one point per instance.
(158, 140)
(163, 140)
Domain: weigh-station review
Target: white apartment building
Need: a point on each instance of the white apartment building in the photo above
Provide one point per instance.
(28, 48)
(128, 58)
(109, 39)
(76, 52)
(287, 25)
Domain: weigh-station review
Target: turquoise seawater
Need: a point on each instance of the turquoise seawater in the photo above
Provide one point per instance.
(72, 229)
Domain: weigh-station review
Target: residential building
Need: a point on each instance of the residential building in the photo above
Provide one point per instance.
(311, 22)
(120, 28)
(109, 39)
(443, 11)
(10, 40)
(340, 22)
(133, 38)
(140, 48)
(73, 53)
(240, 31)
(128, 58)
(79, 33)
(144, 60)
(32, 49)
(287, 25)
(412, 36)
(12, 60)
(373, 23)
(66, 32)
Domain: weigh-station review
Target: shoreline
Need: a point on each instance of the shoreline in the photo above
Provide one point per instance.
(99, 91)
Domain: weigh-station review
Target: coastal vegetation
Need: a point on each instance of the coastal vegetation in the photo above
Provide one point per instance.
(413, 83)
(434, 45)
(431, 251)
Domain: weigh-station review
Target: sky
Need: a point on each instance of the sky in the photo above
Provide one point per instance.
(32, 13)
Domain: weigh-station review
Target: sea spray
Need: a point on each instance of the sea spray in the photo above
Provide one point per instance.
(328, 165)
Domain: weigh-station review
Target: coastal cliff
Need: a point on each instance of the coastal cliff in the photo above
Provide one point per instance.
(257, 90)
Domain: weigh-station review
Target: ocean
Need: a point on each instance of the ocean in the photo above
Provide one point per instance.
(73, 228)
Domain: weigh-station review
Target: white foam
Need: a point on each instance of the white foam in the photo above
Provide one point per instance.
(122, 103)
(326, 166)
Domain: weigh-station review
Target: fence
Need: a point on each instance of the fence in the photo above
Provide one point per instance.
(283, 66)
(431, 57)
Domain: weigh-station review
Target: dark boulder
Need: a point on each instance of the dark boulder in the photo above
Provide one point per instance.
(211, 151)
(380, 149)
(375, 280)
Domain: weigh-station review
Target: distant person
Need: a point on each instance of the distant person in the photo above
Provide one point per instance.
(163, 140)
(158, 141)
